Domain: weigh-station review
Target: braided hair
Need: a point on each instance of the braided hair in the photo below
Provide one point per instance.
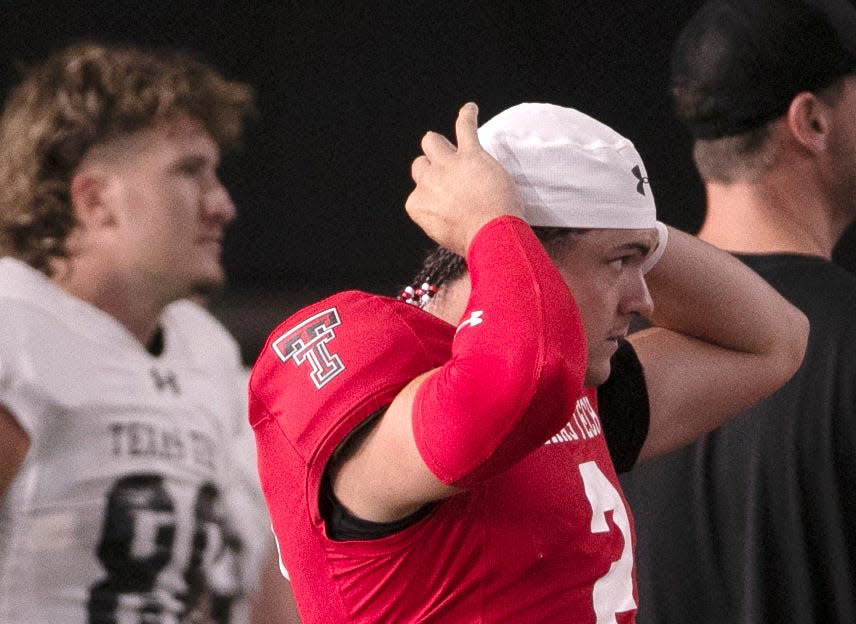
(442, 266)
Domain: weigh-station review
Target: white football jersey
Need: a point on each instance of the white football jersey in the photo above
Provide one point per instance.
(118, 513)
(236, 580)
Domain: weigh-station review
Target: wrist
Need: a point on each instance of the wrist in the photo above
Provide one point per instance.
(487, 231)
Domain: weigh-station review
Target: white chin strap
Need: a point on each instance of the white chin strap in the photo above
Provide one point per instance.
(662, 240)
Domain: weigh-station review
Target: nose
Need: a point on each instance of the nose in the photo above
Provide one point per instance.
(217, 203)
(637, 298)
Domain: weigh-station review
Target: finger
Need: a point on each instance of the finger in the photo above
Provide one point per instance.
(418, 168)
(436, 146)
(466, 128)
(413, 203)
(409, 204)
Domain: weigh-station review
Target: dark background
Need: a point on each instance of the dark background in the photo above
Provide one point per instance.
(345, 92)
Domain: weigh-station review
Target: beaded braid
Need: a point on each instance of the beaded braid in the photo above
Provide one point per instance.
(442, 266)
(439, 267)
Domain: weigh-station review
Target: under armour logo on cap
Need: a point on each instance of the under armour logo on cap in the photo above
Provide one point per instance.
(571, 170)
(643, 180)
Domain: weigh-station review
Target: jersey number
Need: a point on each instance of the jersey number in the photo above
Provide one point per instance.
(613, 592)
(137, 543)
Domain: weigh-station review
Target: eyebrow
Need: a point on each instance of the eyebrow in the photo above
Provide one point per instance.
(643, 248)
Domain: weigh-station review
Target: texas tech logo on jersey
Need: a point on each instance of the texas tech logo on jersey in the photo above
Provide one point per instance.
(307, 342)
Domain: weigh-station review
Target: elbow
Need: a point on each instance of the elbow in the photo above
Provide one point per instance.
(800, 341)
(792, 343)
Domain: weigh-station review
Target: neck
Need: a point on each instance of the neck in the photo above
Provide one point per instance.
(125, 301)
(451, 300)
(776, 214)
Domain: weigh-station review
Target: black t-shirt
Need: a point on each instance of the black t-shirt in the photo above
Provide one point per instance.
(756, 522)
(845, 250)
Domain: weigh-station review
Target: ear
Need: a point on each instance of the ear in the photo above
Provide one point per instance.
(89, 197)
(809, 120)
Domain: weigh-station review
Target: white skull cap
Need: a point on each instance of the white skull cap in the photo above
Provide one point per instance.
(573, 171)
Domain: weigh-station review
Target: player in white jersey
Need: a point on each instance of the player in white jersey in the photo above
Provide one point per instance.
(118, 505)
(118, 399)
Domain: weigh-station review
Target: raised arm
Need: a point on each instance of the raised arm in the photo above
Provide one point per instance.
(722, 340)
(469, 419)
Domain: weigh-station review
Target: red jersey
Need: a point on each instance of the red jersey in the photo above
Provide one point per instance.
(548, 540)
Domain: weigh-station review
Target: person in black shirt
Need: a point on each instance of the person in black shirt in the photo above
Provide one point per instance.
(756, 522)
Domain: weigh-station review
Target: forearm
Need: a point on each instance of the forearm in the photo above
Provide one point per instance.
(474, 417)
(703, 292)
(725, 340)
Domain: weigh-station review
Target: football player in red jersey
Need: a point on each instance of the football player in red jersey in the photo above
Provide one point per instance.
(457, 463)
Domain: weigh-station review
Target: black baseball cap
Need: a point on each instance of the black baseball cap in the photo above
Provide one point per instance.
(737, 64)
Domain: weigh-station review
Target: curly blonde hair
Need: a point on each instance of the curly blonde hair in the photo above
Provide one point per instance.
(80, 97)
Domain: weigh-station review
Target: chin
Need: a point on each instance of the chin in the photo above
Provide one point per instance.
(204, 285)
(206, 288)
(597, 375)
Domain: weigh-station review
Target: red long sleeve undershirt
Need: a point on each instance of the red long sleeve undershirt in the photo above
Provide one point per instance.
(517, 366)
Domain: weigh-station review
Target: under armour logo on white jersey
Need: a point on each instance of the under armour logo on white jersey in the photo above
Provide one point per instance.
(164, 381)
(475, 319)
(307, 342)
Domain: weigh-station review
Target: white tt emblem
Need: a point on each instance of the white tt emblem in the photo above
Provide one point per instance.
(307, 342)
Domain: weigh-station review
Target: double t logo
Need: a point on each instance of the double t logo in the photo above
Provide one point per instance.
(307, 342)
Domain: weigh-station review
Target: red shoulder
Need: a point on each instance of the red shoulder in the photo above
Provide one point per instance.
(335, 362)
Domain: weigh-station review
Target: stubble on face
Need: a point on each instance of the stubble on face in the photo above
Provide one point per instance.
(601, 268)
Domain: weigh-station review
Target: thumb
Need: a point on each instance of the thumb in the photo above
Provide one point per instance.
(466, 128)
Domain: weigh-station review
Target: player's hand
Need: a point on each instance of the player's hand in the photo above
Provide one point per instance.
(459, 189)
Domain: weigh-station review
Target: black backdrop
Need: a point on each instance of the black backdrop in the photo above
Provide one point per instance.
(345, 91)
